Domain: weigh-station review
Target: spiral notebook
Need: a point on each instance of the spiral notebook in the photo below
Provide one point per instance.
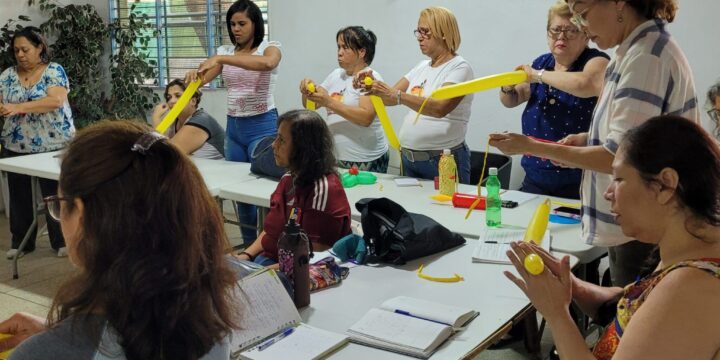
(266, 311)
(494, 243)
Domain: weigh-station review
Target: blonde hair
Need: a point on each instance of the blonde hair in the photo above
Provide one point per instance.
(559, 8)
(443, 24)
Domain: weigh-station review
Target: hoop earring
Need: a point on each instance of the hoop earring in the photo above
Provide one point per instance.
(620, 18)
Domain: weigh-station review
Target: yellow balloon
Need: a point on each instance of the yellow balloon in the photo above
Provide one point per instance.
(538, 224)
(310, 105)
(179, 106)
(5, 354)
(534, 264)
(383, 116)
(481, 84)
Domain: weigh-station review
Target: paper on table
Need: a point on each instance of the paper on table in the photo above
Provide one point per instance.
(446, 314)
(517, 196)
(407, 181)
(494, 243)
(305, 343)
(401, 330)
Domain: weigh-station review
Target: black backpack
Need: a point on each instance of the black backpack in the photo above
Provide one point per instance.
(396, 236)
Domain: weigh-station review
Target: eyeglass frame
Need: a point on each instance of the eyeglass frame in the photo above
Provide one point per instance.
(424, 33)
(579, 18)
(551, 32)
(52, 210)
(714, 114)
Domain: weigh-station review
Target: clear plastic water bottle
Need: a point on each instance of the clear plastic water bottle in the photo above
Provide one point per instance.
(493, 204)
(447, 171)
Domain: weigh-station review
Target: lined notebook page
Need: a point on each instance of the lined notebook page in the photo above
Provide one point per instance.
(400, 329)
(494, 243)
(305, 343)
(446, 314)
(265, 308)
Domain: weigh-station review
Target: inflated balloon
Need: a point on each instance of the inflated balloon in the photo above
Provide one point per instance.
(461, 200)
(534, 264)
(354, 177)
(538, 224)
(170, 117)
(310, 105)
(383, 117)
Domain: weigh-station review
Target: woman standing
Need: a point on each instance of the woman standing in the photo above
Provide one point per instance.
(561, 93)
(249, 71)
(33, 101)
(443, 123)
(359, 137)
(649, 76)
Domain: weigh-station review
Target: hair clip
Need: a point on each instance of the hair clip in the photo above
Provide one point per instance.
(146, 140)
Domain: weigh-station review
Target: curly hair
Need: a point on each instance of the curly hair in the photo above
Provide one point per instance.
(150, 247)
(312, 154)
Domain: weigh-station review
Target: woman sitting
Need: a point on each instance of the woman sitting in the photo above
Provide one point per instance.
(304, 145)
(665, 192)
(152, 282)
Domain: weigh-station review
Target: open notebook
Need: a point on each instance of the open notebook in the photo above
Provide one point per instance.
(270, 324)
(409, 326)
(494, 243)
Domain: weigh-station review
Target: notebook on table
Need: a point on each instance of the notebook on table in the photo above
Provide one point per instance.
(494, 243)
(270, 325)
(410, 326)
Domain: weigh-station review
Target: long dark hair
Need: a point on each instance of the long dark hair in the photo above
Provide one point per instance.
(150, 247)
(253, 13)
(677, 143)
(312, 153)
(358, 38)
(35, 37)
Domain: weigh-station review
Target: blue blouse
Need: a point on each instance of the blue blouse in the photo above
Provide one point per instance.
(552, 114)
(38, 132)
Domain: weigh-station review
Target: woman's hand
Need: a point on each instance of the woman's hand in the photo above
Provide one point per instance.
(191, 76)
(303, 86)
(531, 73)
(160, 109)
(571, 140)
(359, 80)
(387, 93)
(8, 110)
(551, 290)
(20, 326)
(511, 143)
(320, 96)
(208, 64)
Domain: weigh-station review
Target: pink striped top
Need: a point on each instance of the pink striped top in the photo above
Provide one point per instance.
(249, 92)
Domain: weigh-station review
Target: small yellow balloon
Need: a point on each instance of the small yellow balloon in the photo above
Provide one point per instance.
(310, 104)
(5, 354)
(534, 264)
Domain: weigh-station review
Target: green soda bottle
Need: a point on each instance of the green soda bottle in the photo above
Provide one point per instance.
(493, 204)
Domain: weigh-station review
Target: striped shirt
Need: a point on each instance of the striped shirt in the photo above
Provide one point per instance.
(648, 77)
(249, 92)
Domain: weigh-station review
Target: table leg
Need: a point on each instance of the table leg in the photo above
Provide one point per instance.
(33, 226)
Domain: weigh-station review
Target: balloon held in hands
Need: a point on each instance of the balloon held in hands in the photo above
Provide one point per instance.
(170, 117)
(534, 264)
(383, 117)
(310, 105)
(538, 224)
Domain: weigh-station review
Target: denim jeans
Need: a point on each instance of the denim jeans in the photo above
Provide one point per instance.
(242, 136)
(428, 169)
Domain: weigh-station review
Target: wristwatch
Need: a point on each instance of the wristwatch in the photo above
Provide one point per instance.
(540, 74)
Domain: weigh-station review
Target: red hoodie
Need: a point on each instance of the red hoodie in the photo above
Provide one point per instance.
(324, 212)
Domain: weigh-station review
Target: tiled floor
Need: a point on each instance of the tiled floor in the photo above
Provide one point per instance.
(42, 273)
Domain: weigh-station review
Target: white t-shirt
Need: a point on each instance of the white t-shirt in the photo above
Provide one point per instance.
(352, 142)
(249, 92)
(437, 133)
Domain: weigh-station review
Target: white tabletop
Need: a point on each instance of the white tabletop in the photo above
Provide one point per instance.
(565, 238)
(43, 165)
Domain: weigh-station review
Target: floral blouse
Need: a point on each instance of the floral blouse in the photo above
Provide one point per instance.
(37, 132)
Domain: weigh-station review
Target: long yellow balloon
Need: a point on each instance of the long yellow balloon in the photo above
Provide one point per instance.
(179, 106)
(310, 105)
(383, 116)
(481, 84)
(5, 354)
(538, 224)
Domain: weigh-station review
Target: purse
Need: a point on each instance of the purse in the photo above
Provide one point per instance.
(326, 272)
(396, 236)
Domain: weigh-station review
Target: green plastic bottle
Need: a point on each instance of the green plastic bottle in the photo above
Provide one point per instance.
(493, 204)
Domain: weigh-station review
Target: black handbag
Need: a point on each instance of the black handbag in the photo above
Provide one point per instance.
(396, 236)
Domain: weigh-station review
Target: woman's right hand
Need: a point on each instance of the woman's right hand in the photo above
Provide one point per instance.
(160, 109)
(20, 326)
(571, 140)
(191, 76)
(303, 86)
(359, 80)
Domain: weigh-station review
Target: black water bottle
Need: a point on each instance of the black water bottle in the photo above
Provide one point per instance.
(294, 260)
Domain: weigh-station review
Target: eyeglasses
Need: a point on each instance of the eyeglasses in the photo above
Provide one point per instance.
(422, 33)
(571, 33)
(714, 114)
(52, 204)
(579, 19)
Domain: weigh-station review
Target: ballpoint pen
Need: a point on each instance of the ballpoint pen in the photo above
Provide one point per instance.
(275, 339)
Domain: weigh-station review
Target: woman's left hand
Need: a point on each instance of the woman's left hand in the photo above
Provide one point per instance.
(320, 96)
(208, 64)
(511, 143)
(551, 290)
(11, 109)
(531, 78)
(387, 93)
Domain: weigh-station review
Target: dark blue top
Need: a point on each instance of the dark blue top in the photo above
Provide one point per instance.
(552, 114)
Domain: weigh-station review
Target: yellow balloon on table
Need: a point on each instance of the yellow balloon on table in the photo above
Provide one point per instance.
(310, 105)
(473, 86)
(5, 354)
(383, 116)
(179, 106)
(534, 264)
(538, 224)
